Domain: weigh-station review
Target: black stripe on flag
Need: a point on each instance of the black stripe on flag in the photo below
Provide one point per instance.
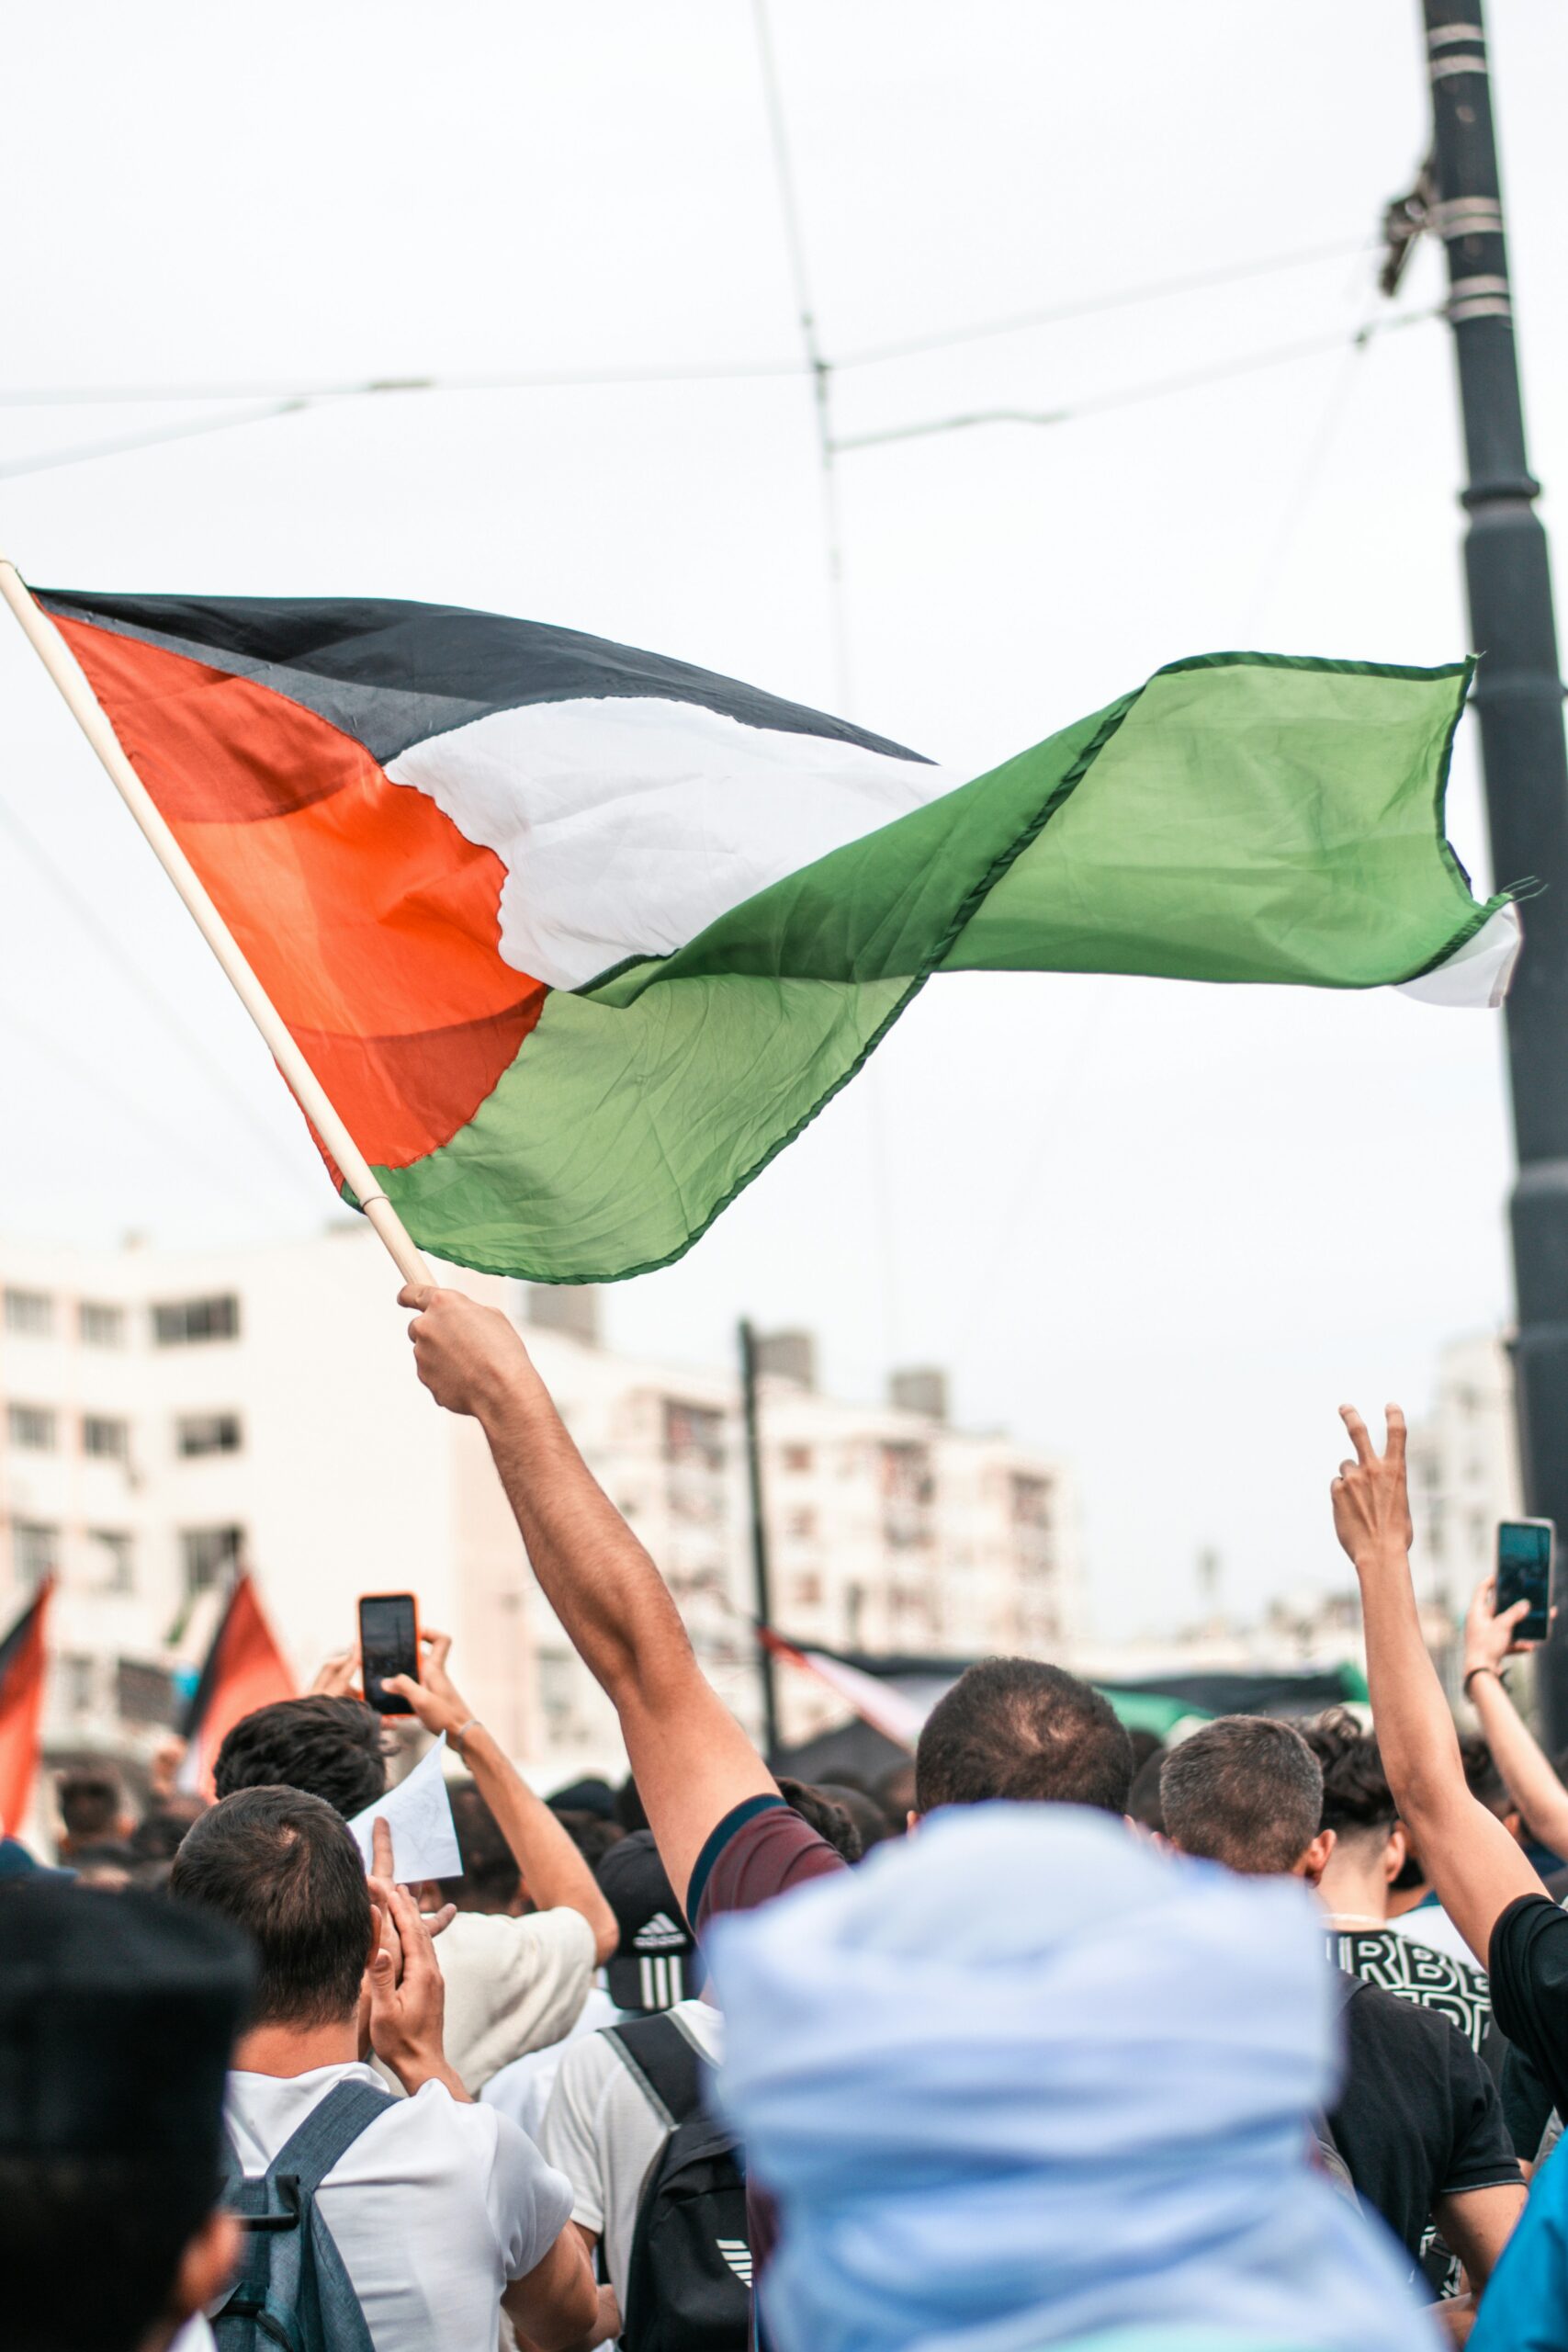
(391, 674)
(15, 1640)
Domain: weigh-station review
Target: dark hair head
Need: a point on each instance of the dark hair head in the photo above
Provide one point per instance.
(825, 1815)
(1143, 1804)
(490, 1879)
(630, 1810)
(158, 1834)
(117, 2017)
(282, 1866)
(592, 1836)
(1357, 1799)
(90, 1803)
(90, 2246)
(1245, 1790)
(589, 1795)
(870, 1820)
(1482, 1778)
(329, 1748)
(895, 1792)
(1013, 1728)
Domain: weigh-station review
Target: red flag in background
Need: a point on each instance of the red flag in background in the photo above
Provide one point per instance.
(244, 1669)
(21, 1708)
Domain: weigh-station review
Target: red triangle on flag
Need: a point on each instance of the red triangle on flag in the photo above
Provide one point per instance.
(244, 1669)
(22, 1661)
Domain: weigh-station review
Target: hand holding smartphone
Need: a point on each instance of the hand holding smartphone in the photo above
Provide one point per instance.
(1525, 1548)
(389, 1645)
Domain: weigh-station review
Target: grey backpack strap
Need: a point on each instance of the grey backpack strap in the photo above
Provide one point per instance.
(328, 2133)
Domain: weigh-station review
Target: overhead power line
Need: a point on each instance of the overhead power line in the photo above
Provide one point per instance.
(1131, 395)
(79, 453)
(1093, 404)
(1095, 306)
(817, 366)
(700, 371)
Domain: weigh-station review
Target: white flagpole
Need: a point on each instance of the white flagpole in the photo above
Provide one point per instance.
(88, 713)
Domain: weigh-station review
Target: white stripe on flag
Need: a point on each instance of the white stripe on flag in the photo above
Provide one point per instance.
(628, 825)
(888, 1711)
(1477, 974)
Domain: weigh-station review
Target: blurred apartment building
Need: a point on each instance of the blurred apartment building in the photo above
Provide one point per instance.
(168, 1417)
(1464, 1472)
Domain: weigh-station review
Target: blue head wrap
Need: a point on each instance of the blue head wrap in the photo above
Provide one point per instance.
(1021, 2079)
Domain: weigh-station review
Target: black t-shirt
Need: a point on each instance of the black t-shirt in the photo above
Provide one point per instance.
(1420, 2117)
(1530, 1987)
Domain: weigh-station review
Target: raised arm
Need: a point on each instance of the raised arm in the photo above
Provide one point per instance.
(691, 1760)
(1468, 1856)
(553, 1869)
(1532, 1783)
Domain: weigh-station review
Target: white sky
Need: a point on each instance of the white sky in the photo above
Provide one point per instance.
(1163, 1228)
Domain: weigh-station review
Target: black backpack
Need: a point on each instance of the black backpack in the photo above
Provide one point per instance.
(292, 2289)
(689, 2279)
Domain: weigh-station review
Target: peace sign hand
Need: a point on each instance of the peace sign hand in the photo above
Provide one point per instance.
(1371, 1500)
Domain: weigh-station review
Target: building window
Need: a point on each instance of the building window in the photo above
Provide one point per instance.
(801, 1526)
(35, 1552)
(694, 1435)
(114, 1563)
(80, 1676)
(209, 1554)
(31, 1425)
(797, 1460)
(181, 1322)
(98, 1326)
(29, 1313)
(207, 1433)
(105, 1438)
(807, 1592)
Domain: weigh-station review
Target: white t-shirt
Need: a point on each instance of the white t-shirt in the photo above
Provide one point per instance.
(600, 2130)
(434, 2208)
(522, 2089)
(512, 1985)
(1429, 1924)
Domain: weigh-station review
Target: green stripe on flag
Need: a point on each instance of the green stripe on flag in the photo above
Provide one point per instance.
(1241, 817)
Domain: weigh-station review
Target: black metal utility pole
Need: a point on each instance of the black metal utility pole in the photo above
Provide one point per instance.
(765, 1673)
(1518, 694)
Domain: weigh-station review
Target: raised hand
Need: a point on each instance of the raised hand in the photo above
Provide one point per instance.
(435, 1699)
(1371, 1498)
(408, 1998)
(468, 1356)
(1488, 1638)
(338, 1677)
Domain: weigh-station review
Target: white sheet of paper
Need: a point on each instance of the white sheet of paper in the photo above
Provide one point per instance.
(418, 1812)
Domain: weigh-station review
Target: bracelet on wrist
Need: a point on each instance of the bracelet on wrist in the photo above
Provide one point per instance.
(460, 1735)
(1474, 1671)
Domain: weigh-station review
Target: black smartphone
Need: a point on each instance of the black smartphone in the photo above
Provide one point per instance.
(1524, 1573)
(389, 1645)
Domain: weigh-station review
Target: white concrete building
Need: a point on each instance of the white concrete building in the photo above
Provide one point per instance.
(165, 1417)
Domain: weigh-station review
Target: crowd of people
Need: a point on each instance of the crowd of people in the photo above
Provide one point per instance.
(1257, 2043)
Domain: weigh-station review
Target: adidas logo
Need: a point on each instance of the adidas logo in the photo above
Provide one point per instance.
(737, 2254)
(659, 1934)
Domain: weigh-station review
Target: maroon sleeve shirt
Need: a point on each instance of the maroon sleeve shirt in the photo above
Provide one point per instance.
(760, 1848)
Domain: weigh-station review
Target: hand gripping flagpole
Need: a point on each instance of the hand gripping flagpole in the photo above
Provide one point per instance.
(307, 1090)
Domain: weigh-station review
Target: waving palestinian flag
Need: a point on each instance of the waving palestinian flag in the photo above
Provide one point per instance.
(577, 938)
